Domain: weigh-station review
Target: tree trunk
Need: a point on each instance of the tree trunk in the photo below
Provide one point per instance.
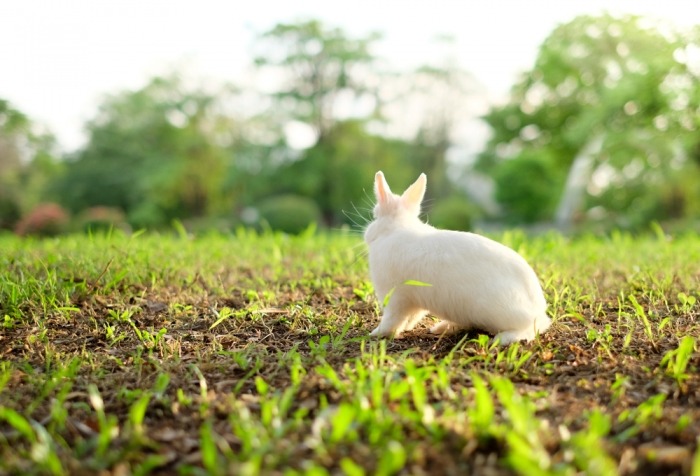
(576, 183)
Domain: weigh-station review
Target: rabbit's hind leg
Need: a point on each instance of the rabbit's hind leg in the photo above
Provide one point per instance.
(398, 316)
(446, 327)
(414, 319)
(507, 337)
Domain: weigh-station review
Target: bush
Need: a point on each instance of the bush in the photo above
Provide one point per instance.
(147, 216)
(289, 213)
(47, 219)
(9, 212)
(529, 186)
(103, 219)
(454, 213)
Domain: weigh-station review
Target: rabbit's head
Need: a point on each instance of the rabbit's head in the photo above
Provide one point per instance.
(394, 211)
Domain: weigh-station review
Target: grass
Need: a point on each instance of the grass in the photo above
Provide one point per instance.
(247, 354)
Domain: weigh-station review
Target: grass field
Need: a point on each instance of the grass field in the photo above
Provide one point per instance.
(249, 354)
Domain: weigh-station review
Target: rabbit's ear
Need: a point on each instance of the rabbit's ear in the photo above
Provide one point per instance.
(381, 188)
(413, 196)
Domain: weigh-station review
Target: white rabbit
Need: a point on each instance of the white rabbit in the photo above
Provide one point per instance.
(465, 279)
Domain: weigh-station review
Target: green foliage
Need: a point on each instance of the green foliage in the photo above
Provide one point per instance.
(169, 151)
(337, 172)
(440, 94)
(618, 80)
(289, 213)
(528, 187)
(321, 66)
(453, 213)
(319, 63)
(153, 153)
(677, 360)
(9, 212)
(26, 164)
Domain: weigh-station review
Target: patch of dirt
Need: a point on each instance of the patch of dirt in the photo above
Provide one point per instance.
(216, 365)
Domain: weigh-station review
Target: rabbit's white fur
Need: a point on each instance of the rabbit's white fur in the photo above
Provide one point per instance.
(468, 280)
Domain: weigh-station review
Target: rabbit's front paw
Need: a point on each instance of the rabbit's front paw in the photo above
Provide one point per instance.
(381, 332)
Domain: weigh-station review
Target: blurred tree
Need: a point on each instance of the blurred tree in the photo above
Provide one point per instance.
(607, 115)
(288, 213)
(429, 107)
(332, 85)
(157, 153)
(320, 67)
(14, 125)
(338, 172)
(27, 162)
(327, 86)
(444, 94)
(259, 148)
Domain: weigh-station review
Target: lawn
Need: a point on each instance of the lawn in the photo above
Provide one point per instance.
(247, 354)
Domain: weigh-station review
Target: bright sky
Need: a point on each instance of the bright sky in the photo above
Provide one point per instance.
(57, 58)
